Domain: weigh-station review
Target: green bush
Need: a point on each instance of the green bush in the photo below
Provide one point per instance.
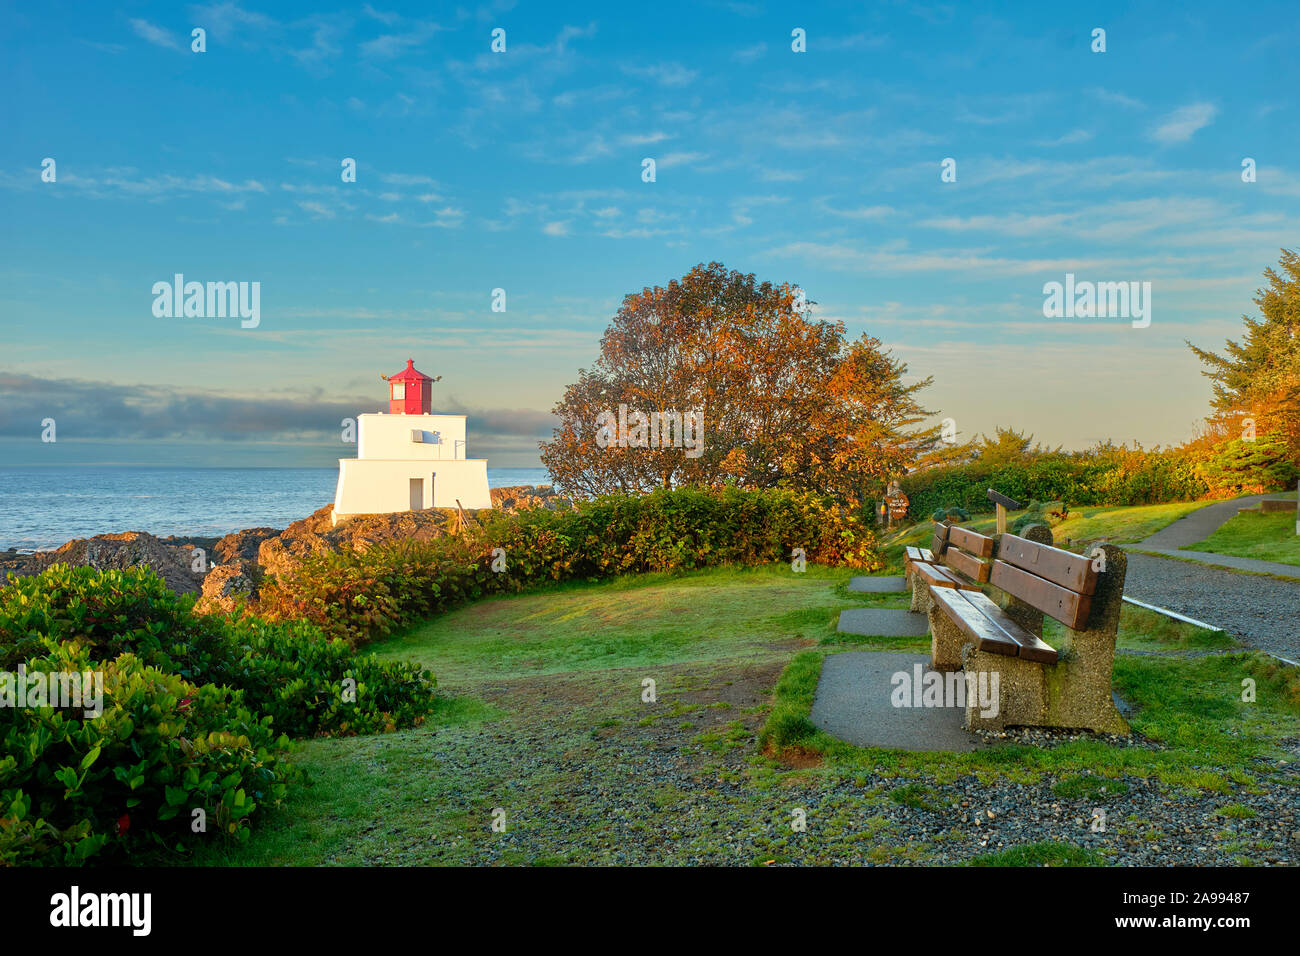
(1104, 476)
(286, 670)
(196, 710)
(110, 612)
(74, 787)
(311, 686)
(1257, 466)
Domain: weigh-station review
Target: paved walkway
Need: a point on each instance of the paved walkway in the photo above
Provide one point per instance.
(1230, 561)
(878, 584)
(882, 622)
(855, 702)
(1263, 612)
(1200, 524)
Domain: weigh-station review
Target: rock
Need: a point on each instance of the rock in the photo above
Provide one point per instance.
(241, 545)
(521, 497)
(316, 534)
(227, 584)
(363, 531)
(171, 562)
(302, 538)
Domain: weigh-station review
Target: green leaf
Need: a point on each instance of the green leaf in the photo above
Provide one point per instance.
(90, 758)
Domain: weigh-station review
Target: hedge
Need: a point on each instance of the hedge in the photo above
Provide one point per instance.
(360, 596)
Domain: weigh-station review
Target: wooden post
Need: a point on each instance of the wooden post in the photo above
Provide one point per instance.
(1002, 503)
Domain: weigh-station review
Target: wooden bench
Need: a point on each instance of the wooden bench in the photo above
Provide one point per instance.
(947, 565)
(911, 555)
(1067, 686)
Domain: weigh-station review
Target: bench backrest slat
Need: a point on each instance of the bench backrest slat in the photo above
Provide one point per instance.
(967, 564)
(1069, 607)
(971, 541)
(1069, 570)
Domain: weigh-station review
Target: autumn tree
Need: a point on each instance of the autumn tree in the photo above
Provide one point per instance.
(783, 399)
(1258, 377)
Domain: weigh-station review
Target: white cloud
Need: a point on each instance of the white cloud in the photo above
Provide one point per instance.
(1068, 139)
(1180, 125)
(665, 74)
(680, 159)
(391, 45)
(859, 212)
(155, 35)
(643, 139)
(317, 209)
(1117, 99)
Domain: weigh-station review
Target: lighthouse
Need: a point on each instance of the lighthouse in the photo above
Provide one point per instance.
(410, 459)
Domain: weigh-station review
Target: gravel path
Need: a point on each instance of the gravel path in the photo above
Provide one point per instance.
(1263, 612)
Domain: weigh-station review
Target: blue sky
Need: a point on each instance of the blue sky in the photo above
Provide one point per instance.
(522, 171)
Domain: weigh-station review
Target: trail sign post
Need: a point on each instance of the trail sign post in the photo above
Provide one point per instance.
(1002, 502)
(896, 501)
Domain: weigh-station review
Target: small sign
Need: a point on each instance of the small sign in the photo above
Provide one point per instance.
(896, 501)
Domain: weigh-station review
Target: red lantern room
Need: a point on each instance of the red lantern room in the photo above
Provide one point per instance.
(410, 392)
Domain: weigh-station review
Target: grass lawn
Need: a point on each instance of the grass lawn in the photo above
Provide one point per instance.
(543, 727)
(1267, 537)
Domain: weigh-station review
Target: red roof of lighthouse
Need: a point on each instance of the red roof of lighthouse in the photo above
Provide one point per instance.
(410, 374)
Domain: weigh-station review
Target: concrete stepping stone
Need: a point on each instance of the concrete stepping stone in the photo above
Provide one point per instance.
(883, 622)
(855, 703)
(878, 585)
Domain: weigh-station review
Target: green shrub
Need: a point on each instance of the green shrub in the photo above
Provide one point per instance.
(286, 670)
(196, 710)
(1107, 475)
(1258, 466)
(1033, 516)
(75, 787)
(295, 676)
(110, 612)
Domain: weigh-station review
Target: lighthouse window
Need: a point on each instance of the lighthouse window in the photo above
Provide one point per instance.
(399, 390)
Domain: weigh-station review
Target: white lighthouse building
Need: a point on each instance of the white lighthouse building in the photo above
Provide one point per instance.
(410, 459)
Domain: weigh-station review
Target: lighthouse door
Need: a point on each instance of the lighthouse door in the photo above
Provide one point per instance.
(417, 494)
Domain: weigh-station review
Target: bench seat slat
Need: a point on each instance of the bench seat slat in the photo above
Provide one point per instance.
(1032, 648)
(987, 635)
(1064, 605)
(934, 575)
(955, 580)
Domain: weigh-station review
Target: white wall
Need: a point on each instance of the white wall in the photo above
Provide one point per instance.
(371, 486)
(389, 437)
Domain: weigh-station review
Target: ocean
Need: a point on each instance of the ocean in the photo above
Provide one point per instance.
(41, 508)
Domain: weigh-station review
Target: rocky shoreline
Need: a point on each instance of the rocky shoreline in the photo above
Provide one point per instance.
(218, 570)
